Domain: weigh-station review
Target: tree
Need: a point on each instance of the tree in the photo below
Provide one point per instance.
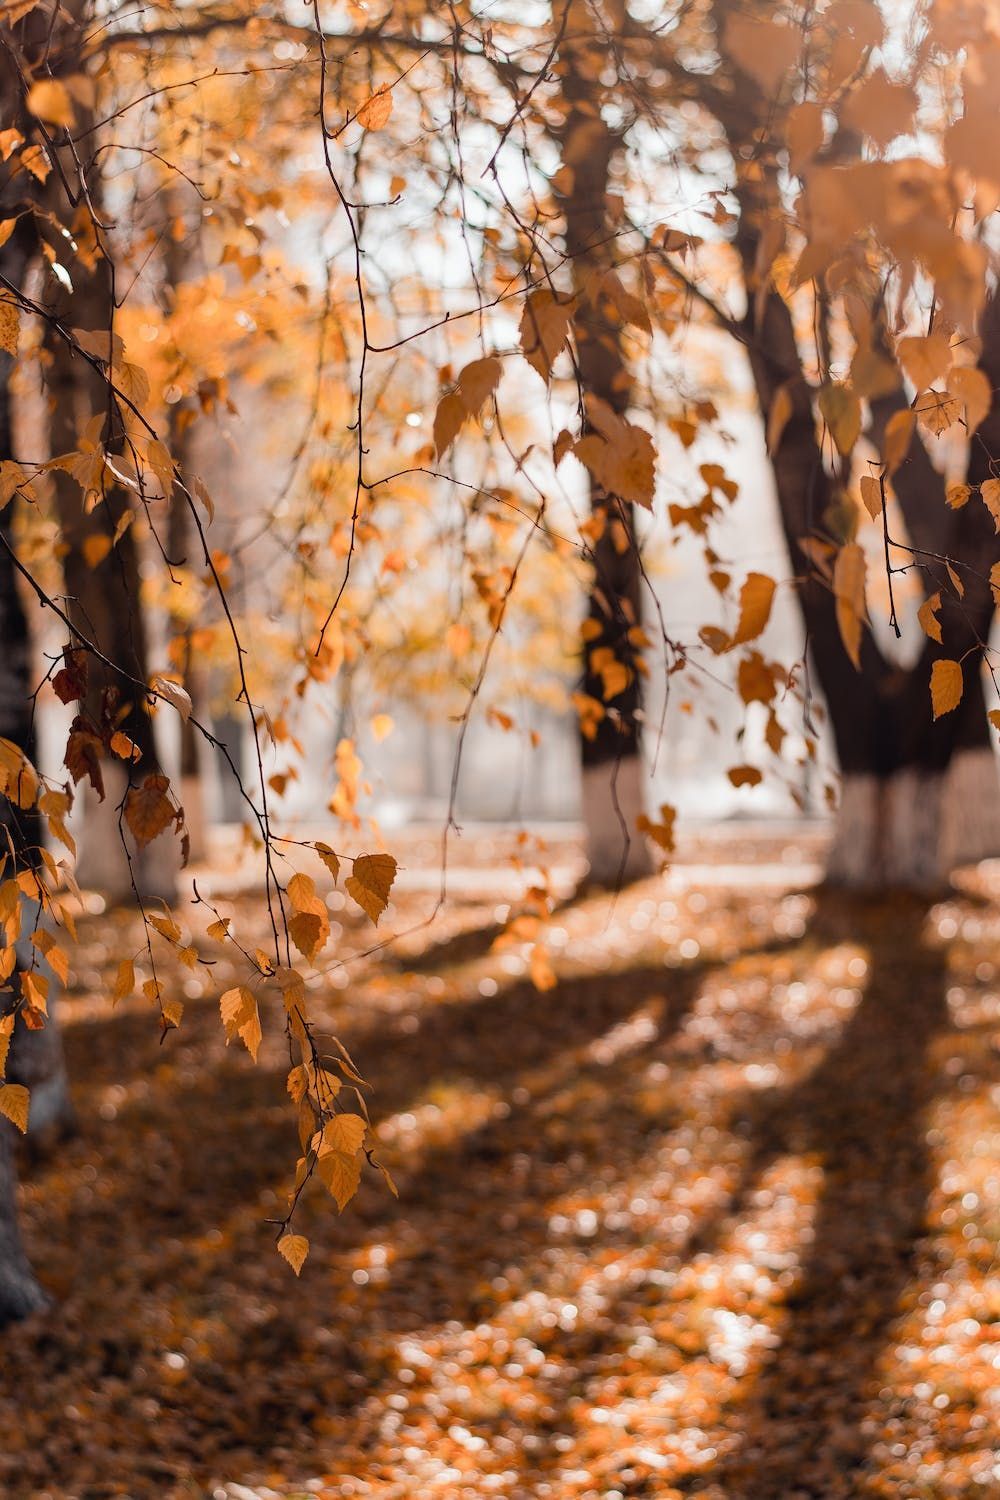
(486, 409)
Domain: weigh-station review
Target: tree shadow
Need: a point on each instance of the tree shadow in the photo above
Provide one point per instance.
(861, 1113)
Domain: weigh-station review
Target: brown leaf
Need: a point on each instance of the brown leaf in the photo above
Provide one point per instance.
(371, 883)
(448, 419)
(148, 810)
(756, 598)
(947, 683)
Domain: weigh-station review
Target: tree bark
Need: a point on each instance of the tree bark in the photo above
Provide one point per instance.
(20, 1294)
(614, 779)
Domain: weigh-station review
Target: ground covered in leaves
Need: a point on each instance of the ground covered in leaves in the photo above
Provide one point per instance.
(715, 1217)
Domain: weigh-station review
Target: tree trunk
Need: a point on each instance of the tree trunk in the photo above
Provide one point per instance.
(904, 817)
(21, 832)
(614, 779)
(104, 594)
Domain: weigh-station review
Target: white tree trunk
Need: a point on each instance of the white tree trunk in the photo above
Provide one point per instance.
(911, 830)
(612, 801)
(109, 860)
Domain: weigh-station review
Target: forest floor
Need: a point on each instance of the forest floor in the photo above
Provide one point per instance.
(715, 1217)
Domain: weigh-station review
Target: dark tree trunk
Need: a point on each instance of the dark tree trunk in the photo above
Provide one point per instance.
(613, 776)
(908, 782)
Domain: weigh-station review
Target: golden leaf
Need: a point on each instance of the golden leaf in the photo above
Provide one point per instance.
(849, 590)
(957, 495)
(970, 386)
(896, 440)
(927, 616)
(925, 359)
(14, 1101)
(340, 1174)
(371, 883)
(540, 970)
(990, 491)
(841, 410)
(125, 980)
(947, 683)
(49, 100)
(375, 112)
(294, 1248)
(240, 1017)
(329, 858)
(871, 495)
(343, 1133)
(10, 326)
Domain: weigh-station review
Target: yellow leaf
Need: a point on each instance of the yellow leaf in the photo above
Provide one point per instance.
(375, 112)
(924, 359)
(990, 491)
(540, 970)
(294, 1248)
(849, 590)
(841, 411)
(6, 1032)
(371, 883)
(172, 1012)
(340, 1174)
(927, 616)
(382, 726)
(49, 100)
(756, 598)
(871, 495)
(10, 325)
(970, 386)
(240, 1017)
(125, 981)
(343, 1133)
(957, 495)
(54, 956)
(896, 441)
(329, 858)
(946, 686)
(14, 1102)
